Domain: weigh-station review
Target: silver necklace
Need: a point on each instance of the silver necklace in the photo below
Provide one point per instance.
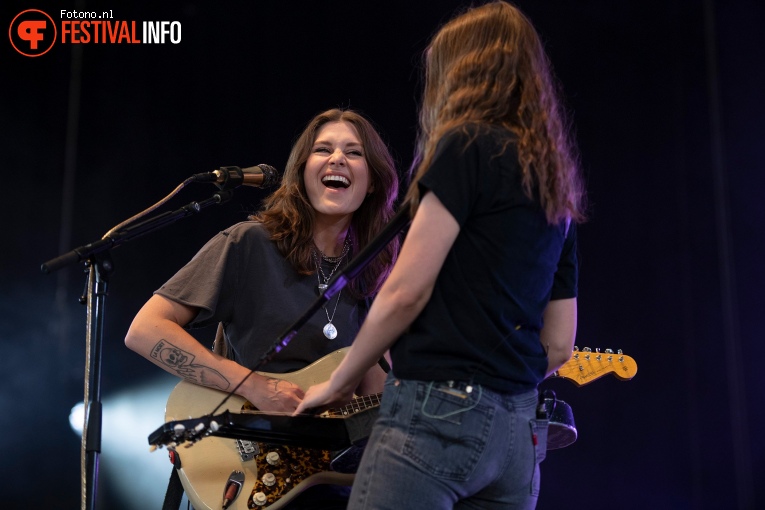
(332, 260)
(330, 331)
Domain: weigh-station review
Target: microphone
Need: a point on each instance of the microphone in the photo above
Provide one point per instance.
(230, 177)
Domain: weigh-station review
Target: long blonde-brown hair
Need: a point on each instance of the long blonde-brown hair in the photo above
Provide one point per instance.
(488, 66)
(289, 217)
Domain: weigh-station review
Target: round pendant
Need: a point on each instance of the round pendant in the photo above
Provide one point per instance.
(330, 331)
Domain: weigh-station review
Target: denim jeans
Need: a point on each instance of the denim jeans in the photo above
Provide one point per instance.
(440, 445)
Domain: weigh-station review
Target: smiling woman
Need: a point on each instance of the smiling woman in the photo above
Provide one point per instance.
(290, 213)
(337, 181)
(258, 276)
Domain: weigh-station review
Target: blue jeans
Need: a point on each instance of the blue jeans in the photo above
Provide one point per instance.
(437, 445)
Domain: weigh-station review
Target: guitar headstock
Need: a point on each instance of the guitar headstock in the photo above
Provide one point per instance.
(174, 433)
(585, 366)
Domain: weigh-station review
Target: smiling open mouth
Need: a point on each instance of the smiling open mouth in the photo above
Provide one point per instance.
(335, 181)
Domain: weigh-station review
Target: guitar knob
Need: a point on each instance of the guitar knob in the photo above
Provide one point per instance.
(269, 479)
(273, 458)
(259, 499)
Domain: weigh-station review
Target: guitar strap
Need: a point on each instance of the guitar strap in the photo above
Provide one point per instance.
(174, 493)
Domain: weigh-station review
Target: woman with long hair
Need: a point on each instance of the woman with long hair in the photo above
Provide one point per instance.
(481, 305)
(258, 277)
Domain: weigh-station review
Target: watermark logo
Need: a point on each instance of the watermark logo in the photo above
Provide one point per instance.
(32, 33)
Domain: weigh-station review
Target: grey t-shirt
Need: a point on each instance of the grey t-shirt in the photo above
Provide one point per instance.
(239, 278)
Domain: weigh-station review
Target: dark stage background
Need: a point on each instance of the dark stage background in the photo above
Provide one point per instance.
(667, 100)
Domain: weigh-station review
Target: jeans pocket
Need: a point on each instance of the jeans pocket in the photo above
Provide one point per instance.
(539, 441)
(448, 431)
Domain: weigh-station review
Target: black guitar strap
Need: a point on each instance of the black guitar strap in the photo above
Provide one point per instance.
(174, 493)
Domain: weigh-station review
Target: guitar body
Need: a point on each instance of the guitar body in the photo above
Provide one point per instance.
(205, 466)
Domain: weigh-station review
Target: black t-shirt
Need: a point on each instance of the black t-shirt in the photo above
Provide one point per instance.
(239, 278)
(483, 319)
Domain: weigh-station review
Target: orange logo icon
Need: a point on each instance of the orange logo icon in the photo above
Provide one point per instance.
(32, 33)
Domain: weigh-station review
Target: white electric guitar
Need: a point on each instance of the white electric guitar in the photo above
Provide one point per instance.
(266, 472)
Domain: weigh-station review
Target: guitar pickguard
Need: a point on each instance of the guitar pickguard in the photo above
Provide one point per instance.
(283, 468)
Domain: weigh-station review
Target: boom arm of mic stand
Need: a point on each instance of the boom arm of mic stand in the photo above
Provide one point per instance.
(132, 231)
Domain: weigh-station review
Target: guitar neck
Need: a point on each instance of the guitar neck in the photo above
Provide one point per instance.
(356, 405)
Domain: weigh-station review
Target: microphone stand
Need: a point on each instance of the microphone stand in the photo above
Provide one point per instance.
(98, 258)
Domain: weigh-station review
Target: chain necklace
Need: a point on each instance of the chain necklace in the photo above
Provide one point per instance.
(330, 331)
(332, 260)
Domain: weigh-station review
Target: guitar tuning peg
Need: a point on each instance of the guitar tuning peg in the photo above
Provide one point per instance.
(576, 348)
(619, 351)
(587, 349)
(609, 351)
(597, 349)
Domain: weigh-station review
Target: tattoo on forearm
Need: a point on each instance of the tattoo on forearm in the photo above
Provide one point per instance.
(182, 364)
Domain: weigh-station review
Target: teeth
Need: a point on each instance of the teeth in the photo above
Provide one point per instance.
(336, 178)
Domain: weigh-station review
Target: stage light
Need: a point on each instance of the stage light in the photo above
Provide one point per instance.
(136, 476)
(77, 418)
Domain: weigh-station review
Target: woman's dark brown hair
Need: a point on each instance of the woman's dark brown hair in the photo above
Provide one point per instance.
(289, 216)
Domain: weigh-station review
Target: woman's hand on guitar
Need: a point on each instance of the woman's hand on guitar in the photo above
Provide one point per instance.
(272, 395)
(321, 397)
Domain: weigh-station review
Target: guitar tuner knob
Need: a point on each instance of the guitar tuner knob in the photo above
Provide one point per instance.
(619, 351)
(268, 479)
(609, 351)
(273, 458)
(587, 349)
(576, 348)
(597, 349)
(259, 499)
